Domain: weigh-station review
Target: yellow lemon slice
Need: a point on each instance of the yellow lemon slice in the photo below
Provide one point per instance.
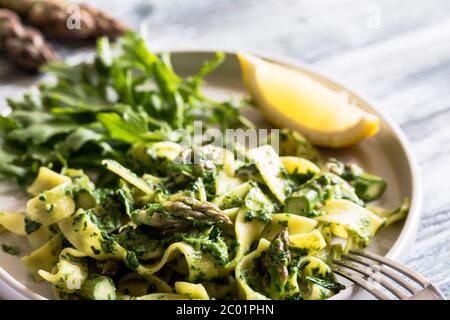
(291, 99)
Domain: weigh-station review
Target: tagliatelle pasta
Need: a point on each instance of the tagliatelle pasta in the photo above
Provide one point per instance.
(168, 229)
(13, 222)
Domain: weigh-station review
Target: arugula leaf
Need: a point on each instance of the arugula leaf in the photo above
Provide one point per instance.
(6, 164)
(40, 132)
(79, 137)
(7, 123)
(104, 53)
(207, 68)
(326, 283)
(126, 128)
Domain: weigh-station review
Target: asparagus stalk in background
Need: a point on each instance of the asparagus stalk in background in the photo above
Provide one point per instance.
(105, 25)
(24, 46)
(57, 18)
(21, 7)
(179, 213)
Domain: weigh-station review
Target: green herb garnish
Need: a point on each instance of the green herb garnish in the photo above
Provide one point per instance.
(11, 249)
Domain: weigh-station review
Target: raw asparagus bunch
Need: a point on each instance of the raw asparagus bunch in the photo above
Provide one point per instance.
(276, 262)
(180, 213)
(105, 25)
(24, 46)
(61, 19)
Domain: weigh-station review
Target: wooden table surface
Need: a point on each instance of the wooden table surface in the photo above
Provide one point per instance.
(396, 52)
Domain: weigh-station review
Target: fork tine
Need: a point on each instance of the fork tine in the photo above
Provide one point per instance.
(395, 277)
(421, 280)
(388, 285)
(361, 282)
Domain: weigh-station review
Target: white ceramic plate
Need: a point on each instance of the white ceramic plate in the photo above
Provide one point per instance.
(387, 154)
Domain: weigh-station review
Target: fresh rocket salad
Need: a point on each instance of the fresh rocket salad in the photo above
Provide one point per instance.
(120, 208)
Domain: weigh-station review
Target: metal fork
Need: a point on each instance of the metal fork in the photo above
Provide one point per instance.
(375, 270)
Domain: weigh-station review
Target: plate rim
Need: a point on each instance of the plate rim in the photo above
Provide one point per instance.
(407, 236)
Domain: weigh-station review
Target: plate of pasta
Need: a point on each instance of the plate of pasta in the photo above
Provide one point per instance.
(118, 182)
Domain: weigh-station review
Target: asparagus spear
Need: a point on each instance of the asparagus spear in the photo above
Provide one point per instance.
(24, 46)
(58, 18)
(303, 201)
(309, 198)
(179, 213)
(276, 262)
(98, 288)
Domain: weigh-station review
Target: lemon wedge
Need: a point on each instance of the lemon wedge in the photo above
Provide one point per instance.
(291, 99)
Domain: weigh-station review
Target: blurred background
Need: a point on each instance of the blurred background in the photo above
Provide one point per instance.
(395, 52)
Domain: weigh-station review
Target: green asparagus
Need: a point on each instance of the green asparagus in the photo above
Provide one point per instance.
(311, 195)
(98, 288)
(368, 187)
(276, 263)
(180, 213)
